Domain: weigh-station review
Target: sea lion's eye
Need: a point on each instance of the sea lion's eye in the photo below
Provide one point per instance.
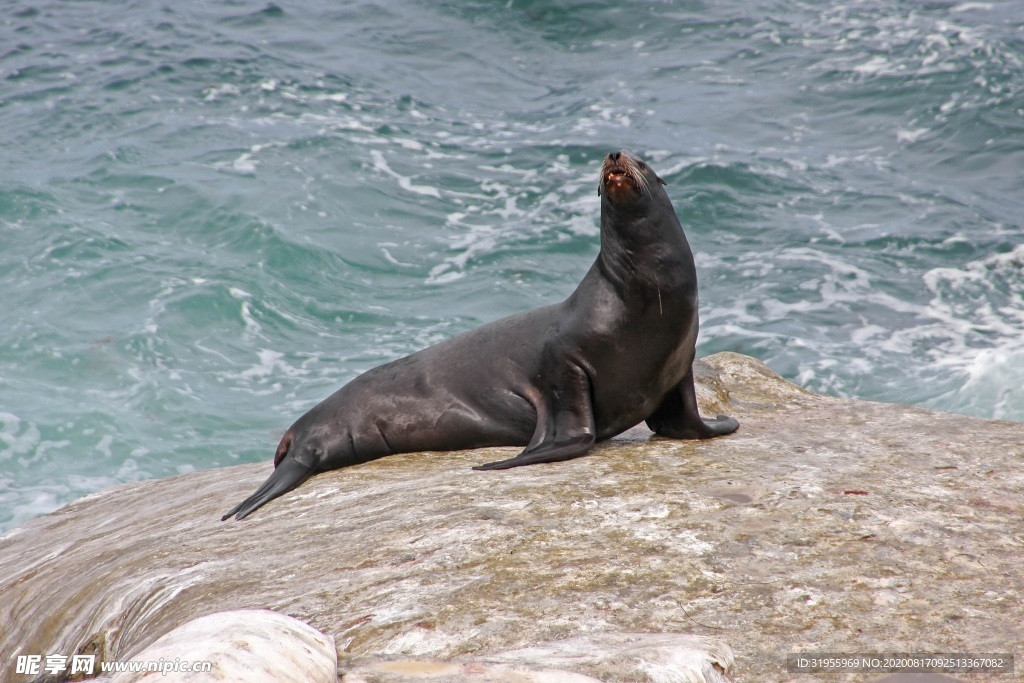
(641, 165)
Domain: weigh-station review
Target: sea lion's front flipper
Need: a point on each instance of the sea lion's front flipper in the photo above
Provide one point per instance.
(677, 416)
(565, 423)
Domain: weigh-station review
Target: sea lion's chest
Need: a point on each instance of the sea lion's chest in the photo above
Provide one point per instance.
(635, 353)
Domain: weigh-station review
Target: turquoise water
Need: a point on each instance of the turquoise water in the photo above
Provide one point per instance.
(214, 214)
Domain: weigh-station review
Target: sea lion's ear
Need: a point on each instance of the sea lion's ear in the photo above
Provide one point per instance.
(657, 176)
(599, 189)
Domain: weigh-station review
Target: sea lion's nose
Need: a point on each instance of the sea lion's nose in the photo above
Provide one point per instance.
(614, 156)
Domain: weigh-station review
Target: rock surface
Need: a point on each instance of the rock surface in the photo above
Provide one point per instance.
(656, 657)
(824, 524)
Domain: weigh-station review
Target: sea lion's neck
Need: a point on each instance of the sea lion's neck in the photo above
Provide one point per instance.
(644, 249)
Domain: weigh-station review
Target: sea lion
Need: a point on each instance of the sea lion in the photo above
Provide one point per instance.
(558, 379)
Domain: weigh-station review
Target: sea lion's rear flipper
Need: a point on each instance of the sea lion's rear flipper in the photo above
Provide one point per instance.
(288, 474)
(677, 417)
(565, 423)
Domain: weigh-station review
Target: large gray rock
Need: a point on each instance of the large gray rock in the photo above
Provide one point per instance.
(822, 525)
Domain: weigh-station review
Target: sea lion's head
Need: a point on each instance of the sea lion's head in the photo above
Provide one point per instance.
(626, 178)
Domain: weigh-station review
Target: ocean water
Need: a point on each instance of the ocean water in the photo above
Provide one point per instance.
(213, 214)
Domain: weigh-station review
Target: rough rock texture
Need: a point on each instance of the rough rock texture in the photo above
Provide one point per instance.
(256, 646)
(656, 657)
(822, 525)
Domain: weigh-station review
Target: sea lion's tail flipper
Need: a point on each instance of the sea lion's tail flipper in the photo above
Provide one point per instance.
(288, 474)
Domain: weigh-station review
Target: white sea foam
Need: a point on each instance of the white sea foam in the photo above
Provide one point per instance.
(910, 136)
(17, 438)
(962, 350)
(391, 259)
(505, 210)
(405, 182)
(33, 501)
(245, 164)
(104, 446)
(472, 239)
(339, 123)
(214, 92)
(876, 66)
(971, 7)
(871, 41)
(270, 364)
(981, 335)
(252, 327)
(331, 97)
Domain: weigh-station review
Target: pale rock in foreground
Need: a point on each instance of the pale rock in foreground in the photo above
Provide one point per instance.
(260, 646)
(256, 646)
(823, 524)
